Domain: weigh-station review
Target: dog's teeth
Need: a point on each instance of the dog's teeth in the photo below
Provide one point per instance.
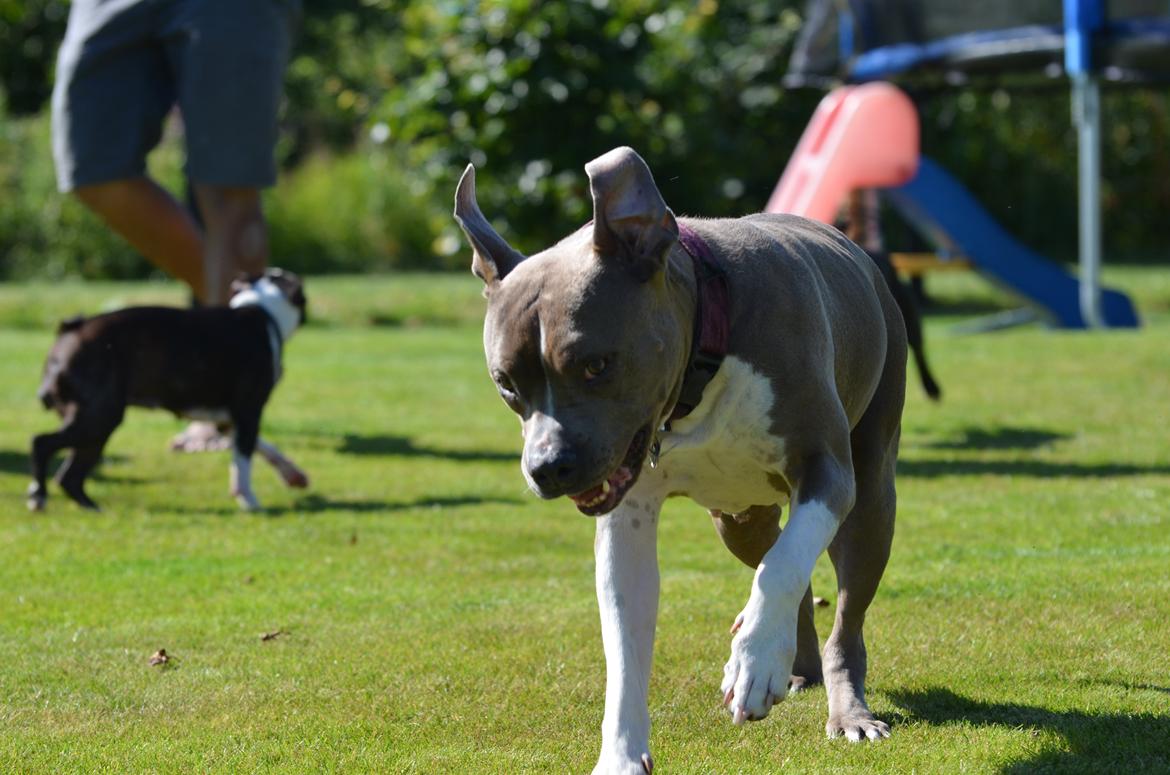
(605, 487)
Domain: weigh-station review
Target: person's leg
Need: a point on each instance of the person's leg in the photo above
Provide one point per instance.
(113, 91)
(229, 59)
(230, 80)
(236, 238)
(158, 227)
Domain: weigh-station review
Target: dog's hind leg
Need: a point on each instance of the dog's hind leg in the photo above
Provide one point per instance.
(859, 553)
(76, 468)
(749, 536)
(80, 431)
(44, 446)
(288, 470)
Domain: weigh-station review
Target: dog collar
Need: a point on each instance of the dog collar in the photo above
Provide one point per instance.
(712, 322)
(280, 316)
(265, 294)
(276, 342)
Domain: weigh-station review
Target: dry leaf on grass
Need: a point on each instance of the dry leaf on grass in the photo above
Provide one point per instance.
(272, 635)
(159, 658)
(820, 602)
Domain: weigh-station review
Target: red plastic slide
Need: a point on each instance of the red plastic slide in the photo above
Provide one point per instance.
(859, 137)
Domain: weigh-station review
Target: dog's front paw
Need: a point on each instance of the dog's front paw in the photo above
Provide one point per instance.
(857, 725)
(756, 677)
(247, 501)
(624, 765)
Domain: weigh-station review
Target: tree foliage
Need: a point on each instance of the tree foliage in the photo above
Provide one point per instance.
(530, 91)
(30, 31)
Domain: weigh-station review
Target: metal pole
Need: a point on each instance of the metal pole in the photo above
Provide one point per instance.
(1086, 99)
(1082, 18)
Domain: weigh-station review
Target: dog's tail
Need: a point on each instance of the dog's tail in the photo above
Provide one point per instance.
(928, 384)
(914, 338)
(913, 320)
(70, 324)
(53, 380)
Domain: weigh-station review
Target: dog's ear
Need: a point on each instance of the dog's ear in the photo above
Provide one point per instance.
(630, 219)
(492, 257)
(242, 282)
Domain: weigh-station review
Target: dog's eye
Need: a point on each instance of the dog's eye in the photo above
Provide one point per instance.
(595, 368)
(505, 386)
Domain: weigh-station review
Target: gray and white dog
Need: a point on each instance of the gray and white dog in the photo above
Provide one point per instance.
(592, 343)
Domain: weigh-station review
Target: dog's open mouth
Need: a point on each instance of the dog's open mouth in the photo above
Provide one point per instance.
(605, 497)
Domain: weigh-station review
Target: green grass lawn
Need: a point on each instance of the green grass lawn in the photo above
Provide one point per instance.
(438, 618)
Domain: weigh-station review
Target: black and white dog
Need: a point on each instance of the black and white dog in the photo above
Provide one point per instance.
(214, 363)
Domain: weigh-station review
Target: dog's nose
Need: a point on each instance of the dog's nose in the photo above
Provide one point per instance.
(553, 470)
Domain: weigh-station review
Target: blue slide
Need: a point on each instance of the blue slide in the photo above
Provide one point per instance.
(939, 206)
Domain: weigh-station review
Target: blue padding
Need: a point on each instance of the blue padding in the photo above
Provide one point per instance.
(940, 207)
(888, 61)
(845, 36)
(1138, 28)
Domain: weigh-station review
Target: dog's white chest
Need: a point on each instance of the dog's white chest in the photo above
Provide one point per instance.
(723, 455)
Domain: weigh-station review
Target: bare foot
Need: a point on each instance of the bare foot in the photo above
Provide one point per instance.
(201, 436)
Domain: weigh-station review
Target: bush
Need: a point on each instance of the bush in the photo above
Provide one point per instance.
(44, 234)
(532, 91)
(30, 31)
(353, 213)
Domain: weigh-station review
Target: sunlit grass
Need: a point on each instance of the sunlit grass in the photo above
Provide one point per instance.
(439, 618)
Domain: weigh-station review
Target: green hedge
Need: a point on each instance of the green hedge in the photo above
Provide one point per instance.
(352, 213)
(44, 234)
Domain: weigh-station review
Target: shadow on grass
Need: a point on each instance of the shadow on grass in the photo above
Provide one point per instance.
(1097, 742)
(1040, 469)
(13, 462)
(1127, 685)
(1003, 437)
(311, 504)
(316, 504)
(935, 307)
(401, 446)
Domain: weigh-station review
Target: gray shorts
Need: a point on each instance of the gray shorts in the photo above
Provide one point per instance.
(125, 63)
